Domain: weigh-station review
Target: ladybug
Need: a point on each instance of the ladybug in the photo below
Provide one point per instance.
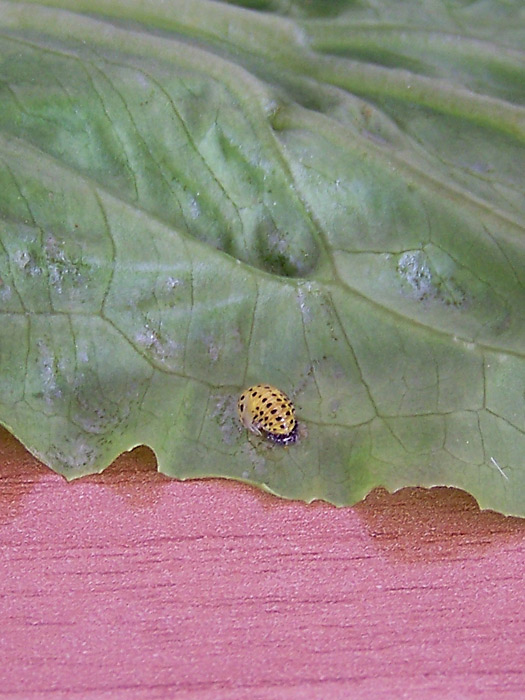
(267, 411)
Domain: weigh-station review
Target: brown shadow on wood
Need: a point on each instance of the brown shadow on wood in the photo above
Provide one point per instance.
(133, 476)
(412, 524)
(20, 472)
(434, 524)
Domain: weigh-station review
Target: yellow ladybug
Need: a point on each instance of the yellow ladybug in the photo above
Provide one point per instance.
(267, 411)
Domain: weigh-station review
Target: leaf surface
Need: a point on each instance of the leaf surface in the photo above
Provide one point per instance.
(199, 196)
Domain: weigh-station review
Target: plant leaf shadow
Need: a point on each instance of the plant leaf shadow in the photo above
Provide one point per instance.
(440, 523)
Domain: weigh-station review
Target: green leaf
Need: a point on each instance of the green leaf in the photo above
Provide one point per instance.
(197, 196)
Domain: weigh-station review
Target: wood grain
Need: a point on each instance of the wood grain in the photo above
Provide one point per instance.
(131, 585)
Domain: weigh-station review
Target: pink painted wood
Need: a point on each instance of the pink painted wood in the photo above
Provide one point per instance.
(131, 585)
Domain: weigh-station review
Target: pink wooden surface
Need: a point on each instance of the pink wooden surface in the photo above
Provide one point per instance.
(130, 585)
